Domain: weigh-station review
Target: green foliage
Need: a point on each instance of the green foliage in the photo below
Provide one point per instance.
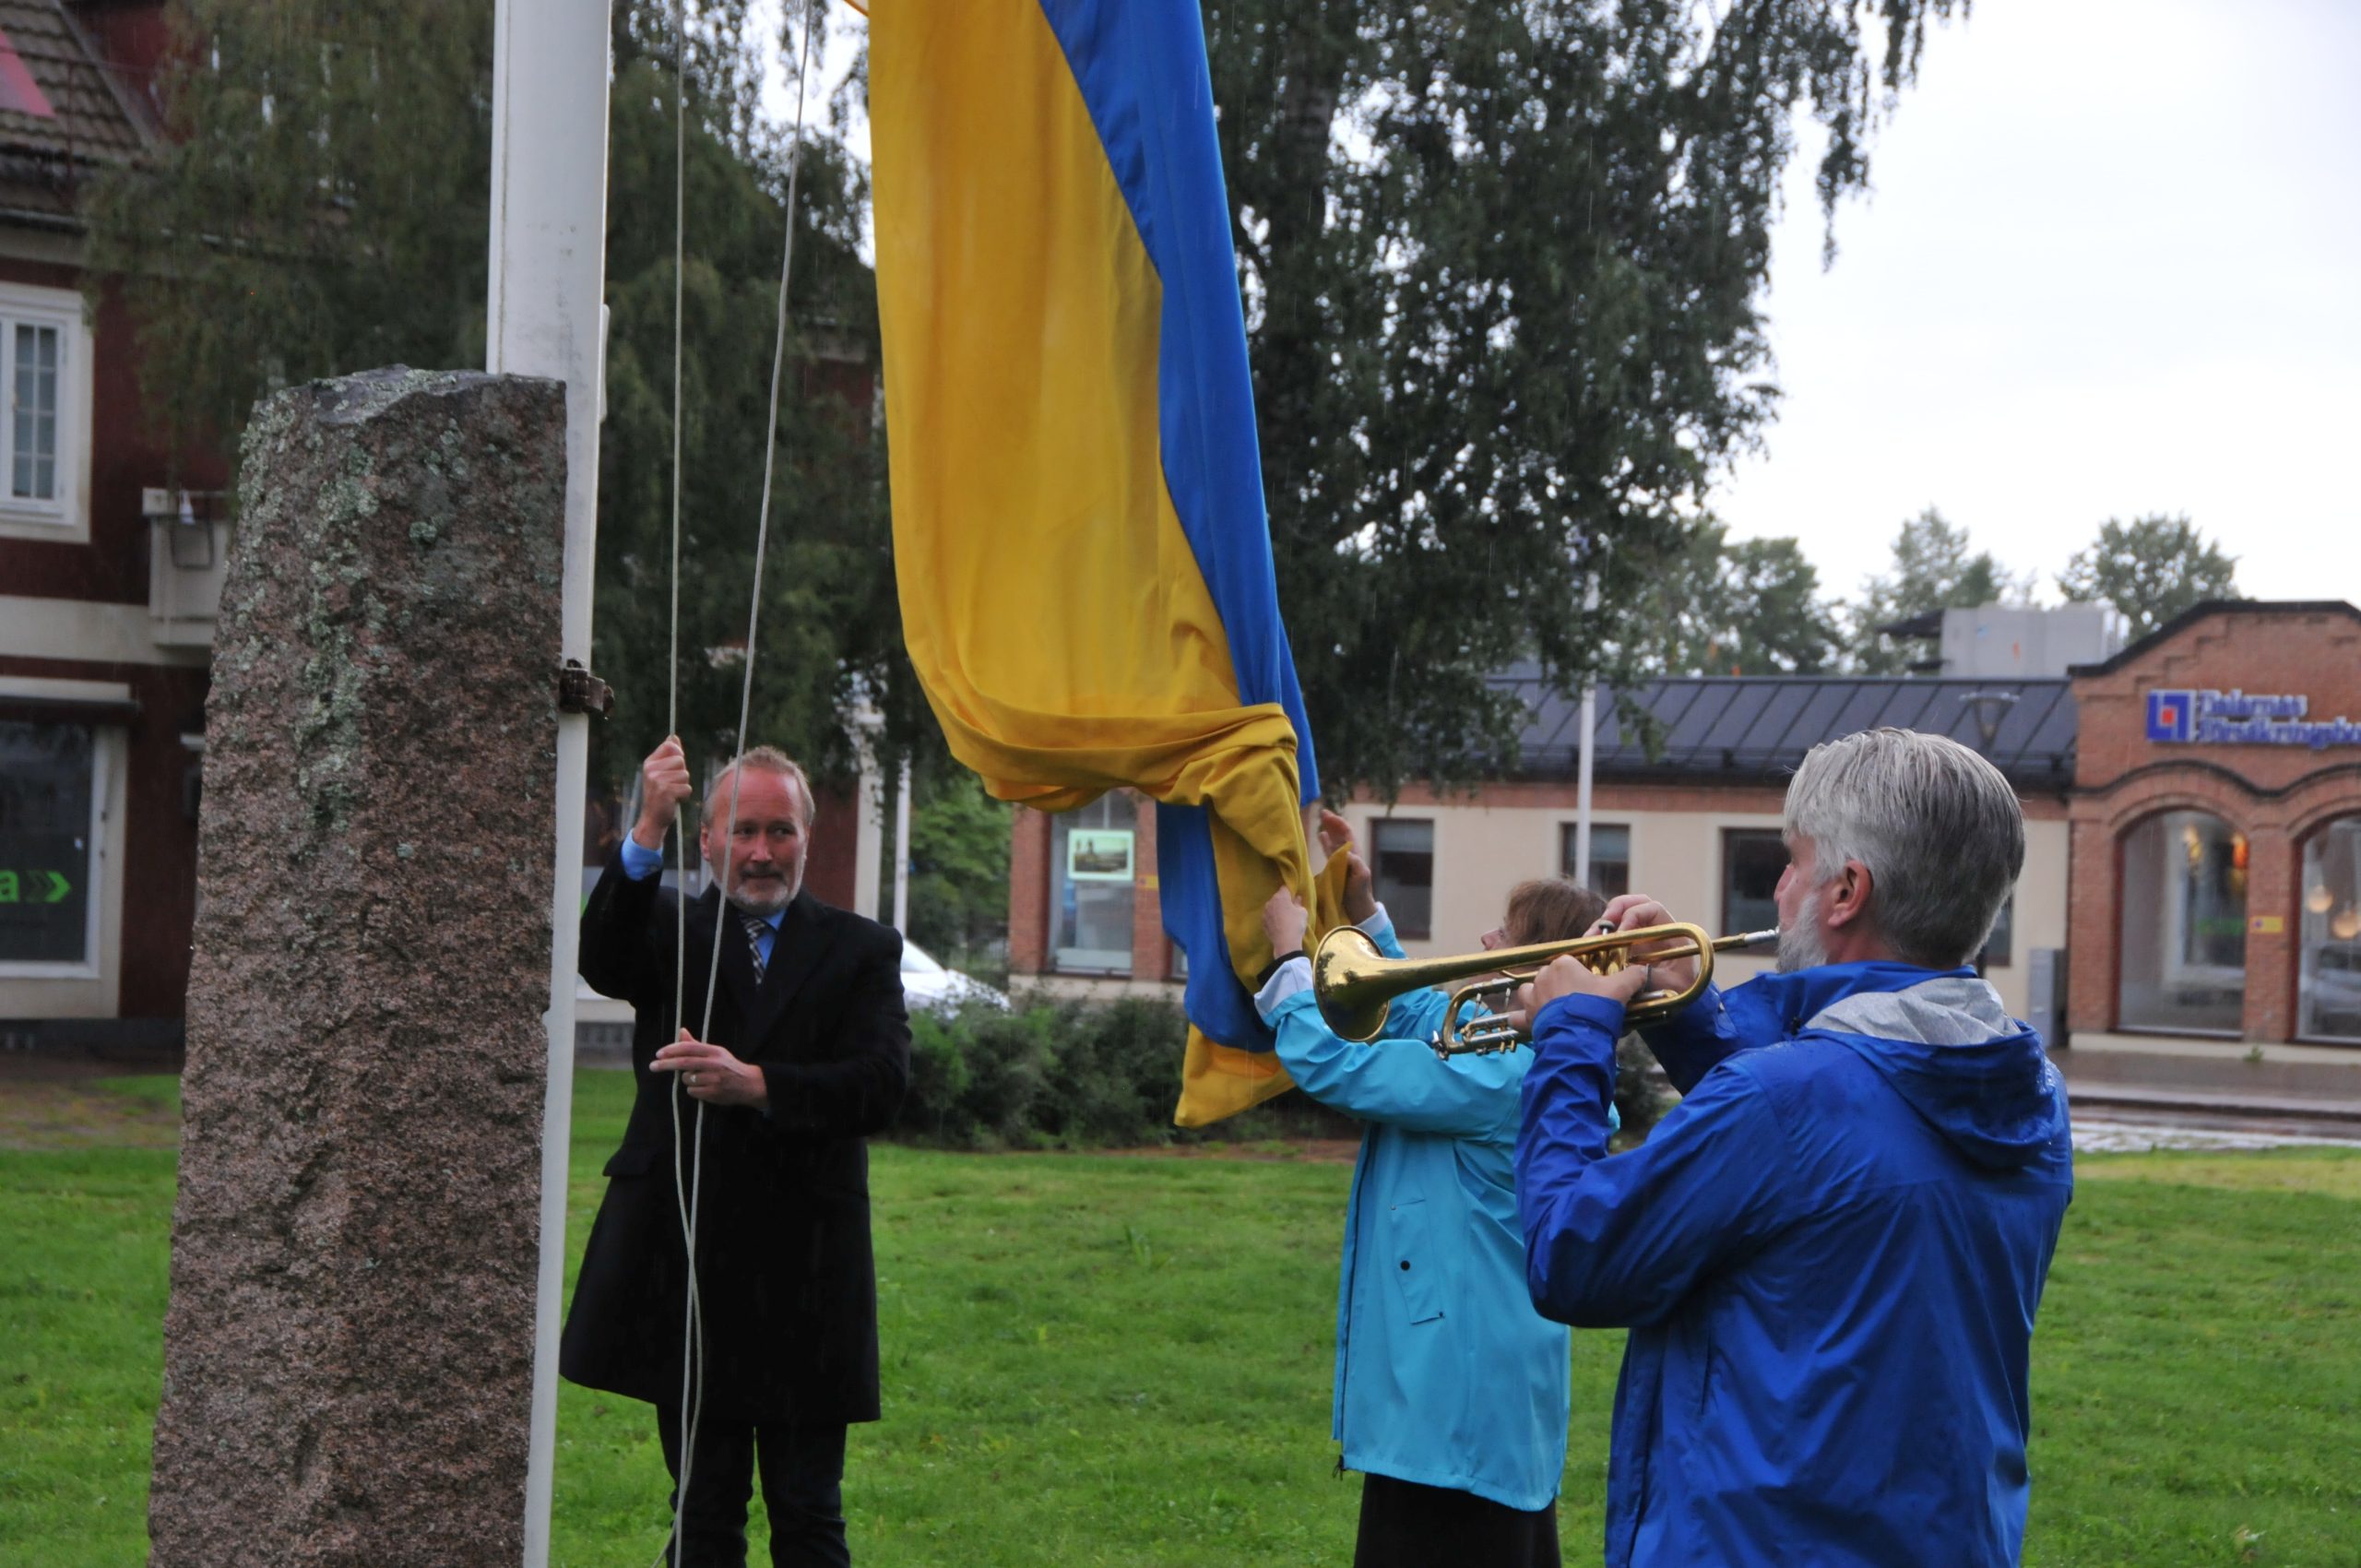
(318, 205)
(1644, 1091)
(1716, 607)
(1126, 1361)
(1047, 1073)
(1503, 268)
(1933, 569)
(2150, 570)
(321, 209)
(828, 619)
(959, 849)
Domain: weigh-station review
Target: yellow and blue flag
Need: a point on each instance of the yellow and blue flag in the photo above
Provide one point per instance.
(1079, 533)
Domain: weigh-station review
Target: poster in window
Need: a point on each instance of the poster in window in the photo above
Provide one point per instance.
(1098, 854)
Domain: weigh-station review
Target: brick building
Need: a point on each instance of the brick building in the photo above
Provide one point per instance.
(2216, 820)
(2192, 805)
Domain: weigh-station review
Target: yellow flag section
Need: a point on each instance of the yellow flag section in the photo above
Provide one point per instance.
(1079, 535)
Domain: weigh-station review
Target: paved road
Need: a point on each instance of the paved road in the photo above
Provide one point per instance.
(2096, 1134)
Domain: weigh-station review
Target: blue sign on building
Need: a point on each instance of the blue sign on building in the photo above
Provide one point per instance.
(2236, 718)
(2168, 714)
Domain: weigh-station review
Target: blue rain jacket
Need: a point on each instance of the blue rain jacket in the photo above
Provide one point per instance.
(1445, 1374)
(1829, 1257)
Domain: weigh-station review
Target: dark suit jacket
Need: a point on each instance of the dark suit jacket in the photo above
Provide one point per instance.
(788, 1285)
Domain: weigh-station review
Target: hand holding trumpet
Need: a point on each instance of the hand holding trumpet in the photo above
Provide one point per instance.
(1568, 975)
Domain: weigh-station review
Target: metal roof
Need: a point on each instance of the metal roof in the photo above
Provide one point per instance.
(1754, 730)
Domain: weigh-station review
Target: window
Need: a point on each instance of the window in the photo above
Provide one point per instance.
(49, 786)
(2183, 929)
(1610, 857)
(1753, 858)
(32, 404)
(43, 365)
(2327, 1002)
(1404, 869)
(1091, 870)
(1996, 945)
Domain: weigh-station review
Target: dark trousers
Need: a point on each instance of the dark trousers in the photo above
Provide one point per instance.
(803, 1472)
(1405, 1525)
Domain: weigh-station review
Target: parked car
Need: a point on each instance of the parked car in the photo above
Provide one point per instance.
(927, 984)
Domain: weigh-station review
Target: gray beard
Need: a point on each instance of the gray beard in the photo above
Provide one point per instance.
(1799, 943)
(759, 903)
(762, 903)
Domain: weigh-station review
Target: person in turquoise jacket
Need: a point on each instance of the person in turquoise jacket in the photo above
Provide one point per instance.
(1830, 1254)
(1451, 1393)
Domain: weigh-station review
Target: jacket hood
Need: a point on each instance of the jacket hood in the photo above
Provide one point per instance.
(1944, 1043)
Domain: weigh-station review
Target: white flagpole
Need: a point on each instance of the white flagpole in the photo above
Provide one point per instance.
(545, 316)
(1581, 772)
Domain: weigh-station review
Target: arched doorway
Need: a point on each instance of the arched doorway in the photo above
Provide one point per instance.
(2183, 926)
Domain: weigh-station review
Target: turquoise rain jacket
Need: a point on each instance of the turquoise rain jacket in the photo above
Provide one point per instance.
(1829, 1255)
(1445, 1374)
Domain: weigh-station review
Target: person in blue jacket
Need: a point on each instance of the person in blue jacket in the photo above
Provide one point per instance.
(1830, 1253)
(1451, 1393)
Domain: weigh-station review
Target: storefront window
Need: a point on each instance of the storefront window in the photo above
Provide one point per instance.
(1610, 857)
(2184, 948)
(46, 864)
(1092, 865)
(2328, 993)
(1404, 873)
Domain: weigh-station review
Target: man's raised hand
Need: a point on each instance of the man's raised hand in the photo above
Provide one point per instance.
(1567, 975)
(663, 785)
(1633, 911)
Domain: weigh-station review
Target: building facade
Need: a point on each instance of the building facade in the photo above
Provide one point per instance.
(2201, 883)
(2216, 821)
(110, 569)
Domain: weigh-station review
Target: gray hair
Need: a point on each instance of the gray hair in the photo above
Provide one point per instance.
(762, 759)
(1938, 828)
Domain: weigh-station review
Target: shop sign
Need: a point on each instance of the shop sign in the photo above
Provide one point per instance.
(2237, 718)
(1098, 854)
(43, 910)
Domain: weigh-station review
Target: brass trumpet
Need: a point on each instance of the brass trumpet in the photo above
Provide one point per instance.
(1355, 982)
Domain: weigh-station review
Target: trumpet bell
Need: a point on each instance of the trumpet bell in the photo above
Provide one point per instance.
(1347, 976)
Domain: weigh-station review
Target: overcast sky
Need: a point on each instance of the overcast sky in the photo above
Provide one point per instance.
(2112, 266)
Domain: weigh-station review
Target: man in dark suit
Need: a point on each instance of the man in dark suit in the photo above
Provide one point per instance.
(808, 1054)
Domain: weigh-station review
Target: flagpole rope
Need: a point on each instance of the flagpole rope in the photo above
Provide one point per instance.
(689, 1192)
(693, 1326)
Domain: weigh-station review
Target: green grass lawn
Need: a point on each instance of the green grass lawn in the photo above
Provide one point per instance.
(1104, 1359)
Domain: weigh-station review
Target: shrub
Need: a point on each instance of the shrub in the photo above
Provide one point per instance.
(1050, 1073)
(1643, 1091)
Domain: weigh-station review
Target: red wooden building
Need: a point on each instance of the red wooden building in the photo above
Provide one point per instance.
(108, 582)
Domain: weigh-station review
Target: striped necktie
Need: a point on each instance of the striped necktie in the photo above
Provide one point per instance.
(756, 929)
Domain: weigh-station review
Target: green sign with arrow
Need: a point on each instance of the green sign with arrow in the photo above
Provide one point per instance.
(34, 887)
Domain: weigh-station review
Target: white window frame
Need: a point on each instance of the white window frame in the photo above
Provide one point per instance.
(94, 905)
(67, 517)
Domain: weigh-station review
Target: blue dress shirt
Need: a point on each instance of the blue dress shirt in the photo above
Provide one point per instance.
(639, 864)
